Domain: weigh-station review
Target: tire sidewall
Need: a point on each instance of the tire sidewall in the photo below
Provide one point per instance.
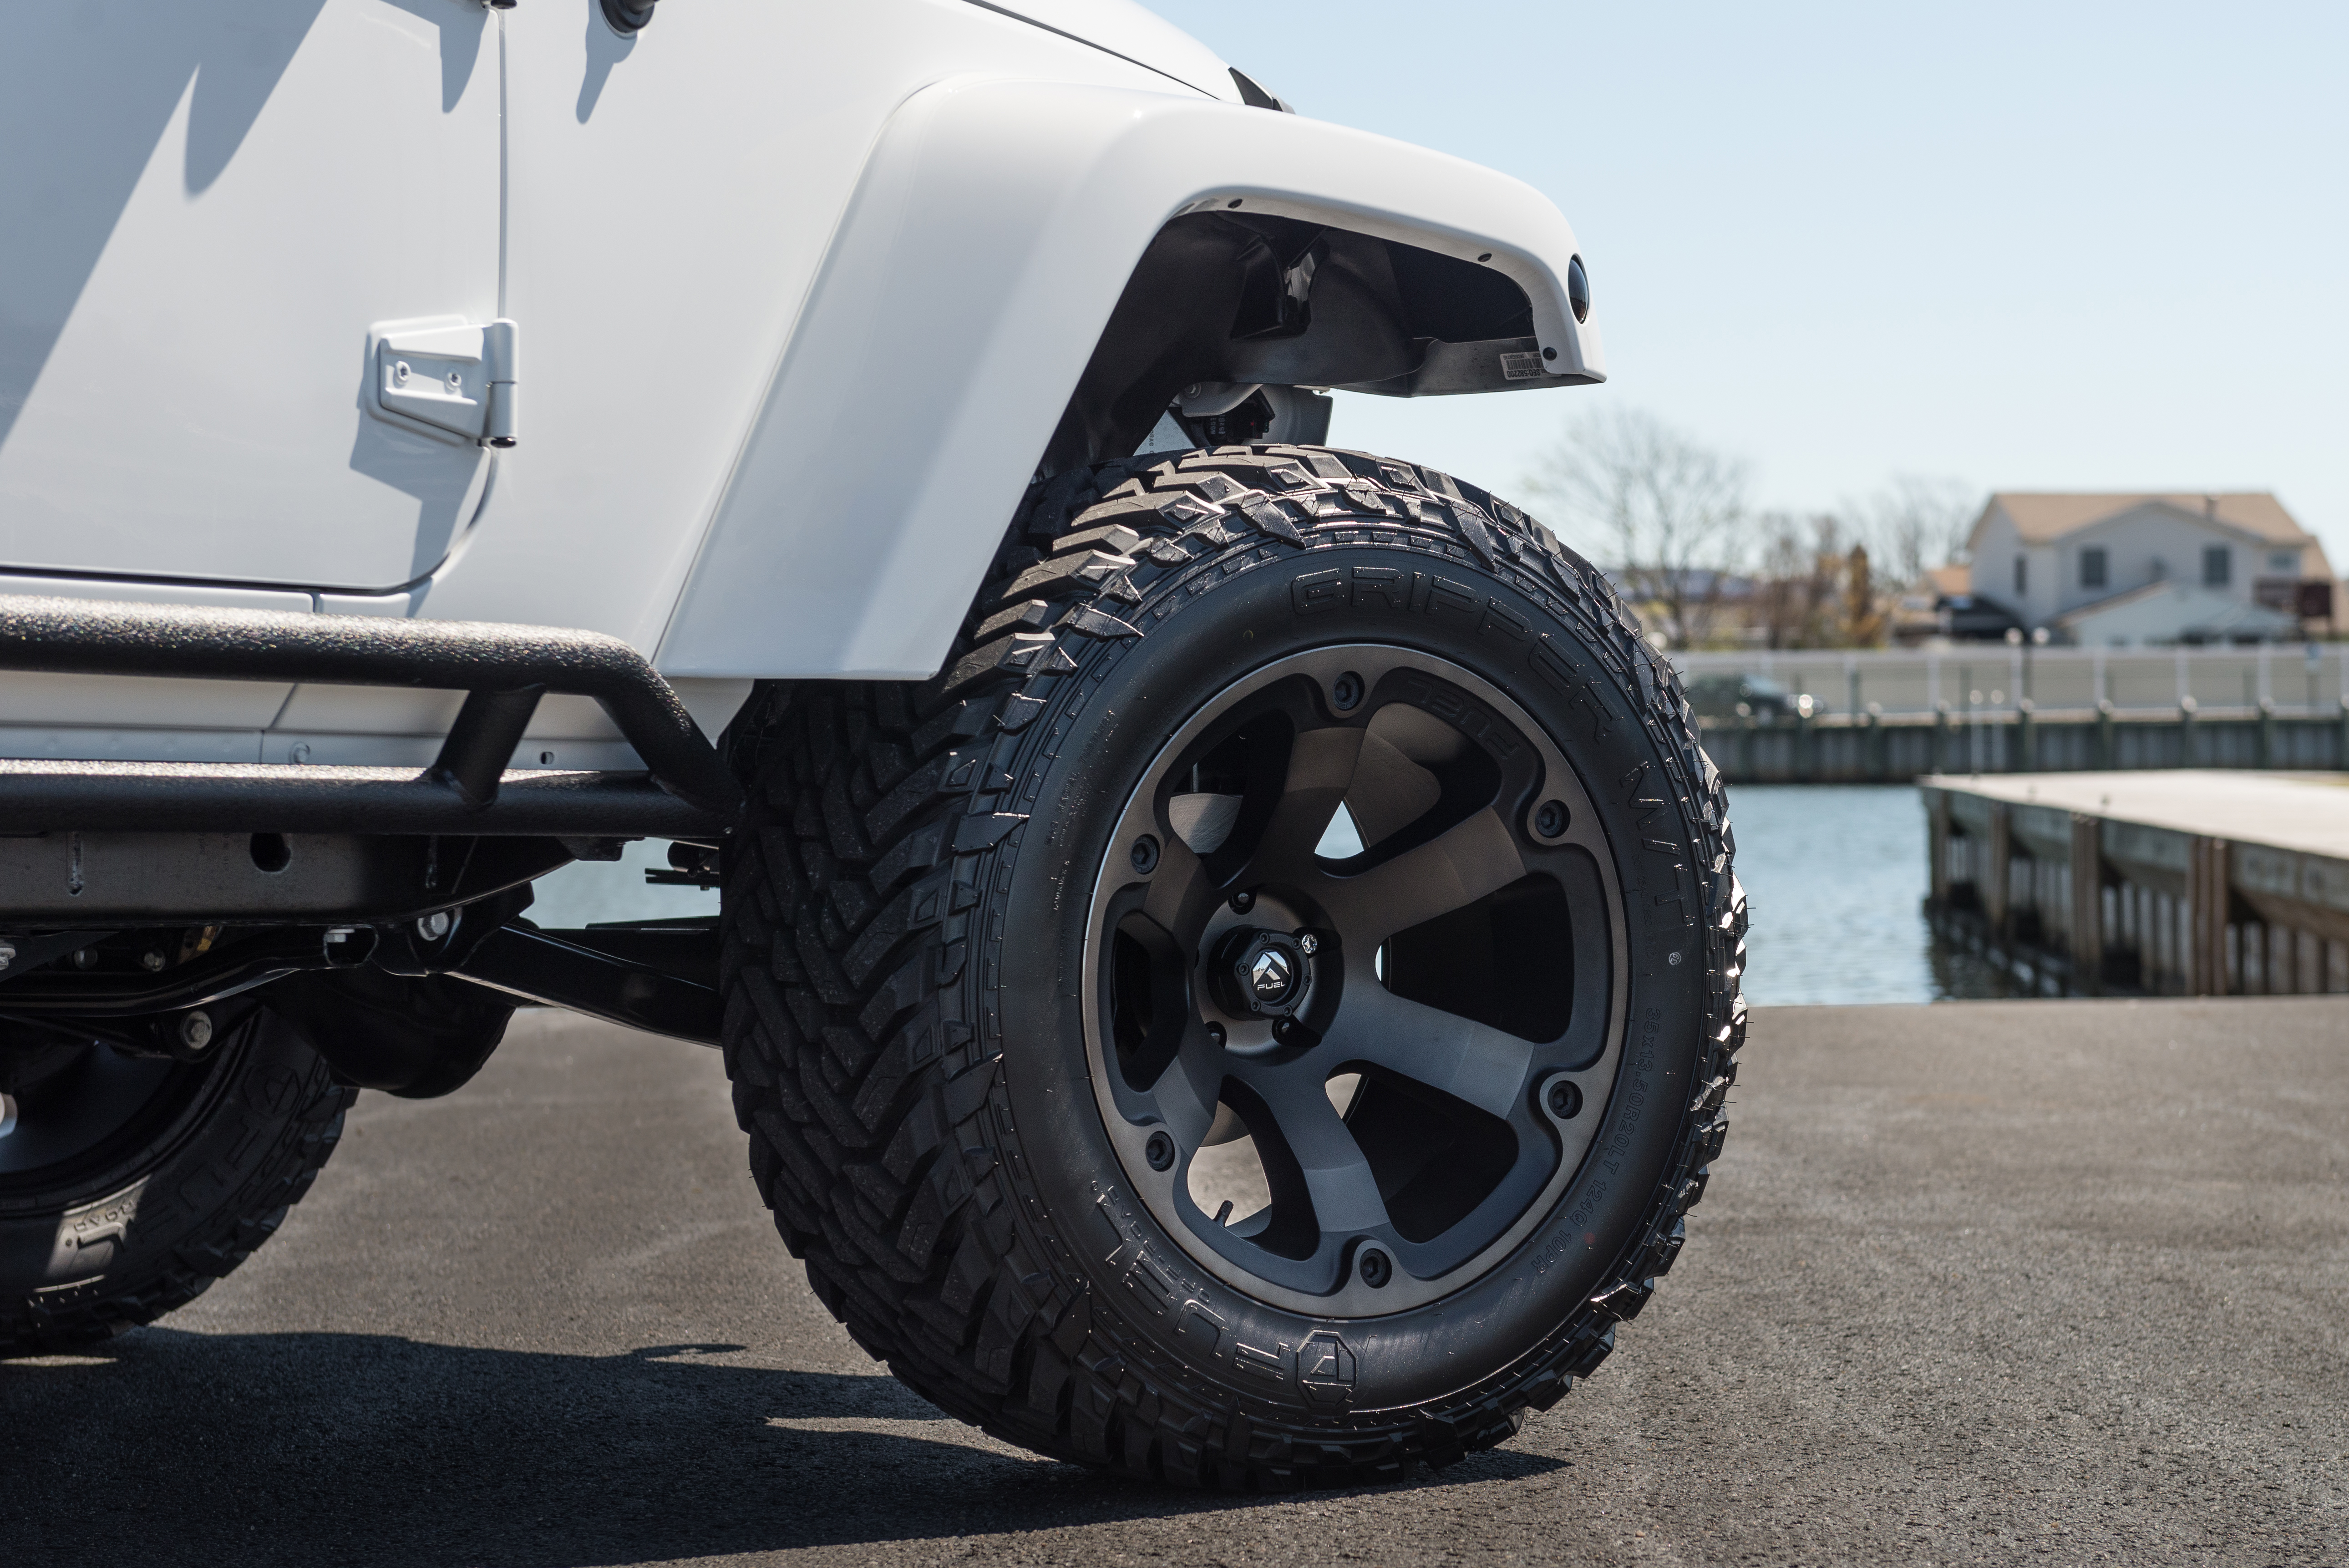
(121, 1230)
(1103, 732)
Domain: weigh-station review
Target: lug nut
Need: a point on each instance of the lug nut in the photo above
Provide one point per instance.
(196, 1030)
(1159, 1151)
(1244, 900)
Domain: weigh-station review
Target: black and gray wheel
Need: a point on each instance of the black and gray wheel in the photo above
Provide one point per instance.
(1260, 1016)
(129, 1184)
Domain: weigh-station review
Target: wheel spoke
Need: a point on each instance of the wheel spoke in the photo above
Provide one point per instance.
(1345, 1191)
(1187, 1092)
(1456, 868)
(1467, 1060)
(1320, 768)
(1181, 895)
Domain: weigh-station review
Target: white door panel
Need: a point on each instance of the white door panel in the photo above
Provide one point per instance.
(224, 195)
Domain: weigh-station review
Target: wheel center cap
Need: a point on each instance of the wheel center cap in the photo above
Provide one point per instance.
(1272, 977)
(1259, 972)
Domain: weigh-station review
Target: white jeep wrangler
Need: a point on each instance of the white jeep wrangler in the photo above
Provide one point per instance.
(1229, 958)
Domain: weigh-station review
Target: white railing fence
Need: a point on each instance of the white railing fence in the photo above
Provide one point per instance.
(2296, 677)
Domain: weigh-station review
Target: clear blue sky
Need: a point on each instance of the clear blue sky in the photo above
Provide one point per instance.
(2043, 247)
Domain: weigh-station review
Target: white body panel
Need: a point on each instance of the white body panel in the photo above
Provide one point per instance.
(202, 208)
(803, 288)
(1125, 28)
(1044, 195)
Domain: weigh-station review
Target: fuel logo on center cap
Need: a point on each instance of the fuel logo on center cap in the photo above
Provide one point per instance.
(1271, 976)
(1259, 972)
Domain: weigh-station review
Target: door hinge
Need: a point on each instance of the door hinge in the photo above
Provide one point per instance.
(444, 377)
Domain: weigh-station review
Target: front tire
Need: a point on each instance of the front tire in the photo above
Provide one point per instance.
(990, 943)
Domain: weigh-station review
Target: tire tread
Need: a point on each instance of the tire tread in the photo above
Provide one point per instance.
(848, 931)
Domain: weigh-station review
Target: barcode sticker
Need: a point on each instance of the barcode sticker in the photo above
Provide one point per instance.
(1521, 367)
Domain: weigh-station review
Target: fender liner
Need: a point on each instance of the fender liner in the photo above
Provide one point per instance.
(995, 230)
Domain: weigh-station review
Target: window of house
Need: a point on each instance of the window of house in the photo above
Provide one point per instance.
(2284, 561)
(2217, 566)
(2092, 567)
(2021, 576)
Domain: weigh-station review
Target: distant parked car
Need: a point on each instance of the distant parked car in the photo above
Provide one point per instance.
(1738, 696)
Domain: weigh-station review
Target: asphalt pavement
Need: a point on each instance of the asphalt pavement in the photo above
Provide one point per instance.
(1979, 1282)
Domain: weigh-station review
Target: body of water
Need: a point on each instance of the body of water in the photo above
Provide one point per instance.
(1835, 883)
(1835, 874)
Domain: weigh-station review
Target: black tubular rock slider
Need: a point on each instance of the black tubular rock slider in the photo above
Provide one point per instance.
(503, 667)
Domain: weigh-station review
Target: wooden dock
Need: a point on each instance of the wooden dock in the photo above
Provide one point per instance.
(2196, 882)
(1879, 748)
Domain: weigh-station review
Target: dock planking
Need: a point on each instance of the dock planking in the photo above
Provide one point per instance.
(2205, 883)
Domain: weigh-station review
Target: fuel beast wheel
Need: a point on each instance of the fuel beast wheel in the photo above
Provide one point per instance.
(1260, 1016)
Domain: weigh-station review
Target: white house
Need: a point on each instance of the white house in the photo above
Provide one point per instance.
(2137, 569)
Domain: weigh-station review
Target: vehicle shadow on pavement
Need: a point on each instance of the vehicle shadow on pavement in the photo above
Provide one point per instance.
(168, 1446)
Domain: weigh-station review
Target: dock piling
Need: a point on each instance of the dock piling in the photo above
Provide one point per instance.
(2185, 882)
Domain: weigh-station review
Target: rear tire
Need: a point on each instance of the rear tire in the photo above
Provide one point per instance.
(944, 1105)
(133, 1183)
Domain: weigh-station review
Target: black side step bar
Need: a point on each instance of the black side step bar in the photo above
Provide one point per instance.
(504, 669)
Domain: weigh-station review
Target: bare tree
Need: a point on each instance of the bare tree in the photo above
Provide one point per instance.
(1815, 587)
(1917, 524)
(1660, 510)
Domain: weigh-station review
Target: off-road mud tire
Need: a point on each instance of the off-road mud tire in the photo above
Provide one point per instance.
(106, 1250)
(875, 932)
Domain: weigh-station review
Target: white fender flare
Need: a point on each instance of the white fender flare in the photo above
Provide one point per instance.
(971, 276)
